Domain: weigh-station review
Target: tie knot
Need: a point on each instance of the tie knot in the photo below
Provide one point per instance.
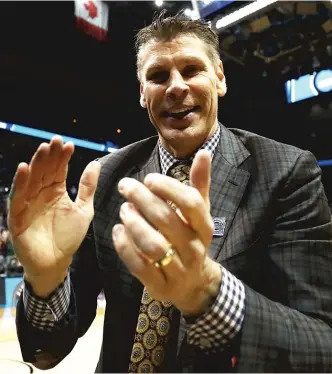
(181, 172)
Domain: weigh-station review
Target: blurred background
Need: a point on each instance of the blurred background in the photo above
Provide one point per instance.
(68, 68)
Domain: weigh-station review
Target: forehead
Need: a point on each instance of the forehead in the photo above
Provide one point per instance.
(181, 48)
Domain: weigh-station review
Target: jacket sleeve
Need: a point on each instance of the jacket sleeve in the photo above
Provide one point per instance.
(45, 349)
(292, 332)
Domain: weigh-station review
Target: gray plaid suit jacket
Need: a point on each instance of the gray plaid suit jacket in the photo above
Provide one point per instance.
(277, 241)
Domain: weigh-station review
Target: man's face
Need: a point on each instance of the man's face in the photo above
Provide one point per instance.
(180, 86)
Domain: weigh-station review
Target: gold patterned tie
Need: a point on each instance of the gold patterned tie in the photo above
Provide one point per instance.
(154, 320)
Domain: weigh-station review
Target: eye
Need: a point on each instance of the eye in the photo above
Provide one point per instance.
(159, 76)
(190, 70)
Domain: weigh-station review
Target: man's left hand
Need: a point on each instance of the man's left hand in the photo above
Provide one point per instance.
(150, 227)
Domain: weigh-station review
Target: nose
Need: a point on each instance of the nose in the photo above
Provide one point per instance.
(177, 88)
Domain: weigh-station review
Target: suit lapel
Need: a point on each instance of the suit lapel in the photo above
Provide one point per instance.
(228, 183)
(151, 166)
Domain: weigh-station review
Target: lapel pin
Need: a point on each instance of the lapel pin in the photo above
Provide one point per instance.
(219, 226)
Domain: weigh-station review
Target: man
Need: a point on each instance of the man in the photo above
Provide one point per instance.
(200, 274)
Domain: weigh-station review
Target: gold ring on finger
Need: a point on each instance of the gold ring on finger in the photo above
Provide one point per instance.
(166, 259)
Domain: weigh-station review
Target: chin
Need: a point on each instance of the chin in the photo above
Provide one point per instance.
(180, 132)
(191, 136)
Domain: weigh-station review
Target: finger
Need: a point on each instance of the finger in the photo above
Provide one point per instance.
(188, 199)
(17, 194)
(137, 264)
(162, 217)
(88, 184)
(149, 241)
(37, 167)
(53, 160)
(200, 174)
(62, 170)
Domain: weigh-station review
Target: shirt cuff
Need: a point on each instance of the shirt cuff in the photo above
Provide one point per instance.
(216, 327)
(43, 314)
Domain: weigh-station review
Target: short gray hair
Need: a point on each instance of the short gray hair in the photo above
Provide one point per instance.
(165, 28)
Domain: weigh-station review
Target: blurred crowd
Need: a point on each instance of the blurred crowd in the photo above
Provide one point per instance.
(9, 264)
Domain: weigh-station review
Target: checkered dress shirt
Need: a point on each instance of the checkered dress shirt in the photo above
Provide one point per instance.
(211, 331)
(167, 160)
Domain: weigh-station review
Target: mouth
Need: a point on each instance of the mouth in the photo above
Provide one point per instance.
(180, 113)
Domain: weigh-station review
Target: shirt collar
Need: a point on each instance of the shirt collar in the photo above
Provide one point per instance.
(167, 160)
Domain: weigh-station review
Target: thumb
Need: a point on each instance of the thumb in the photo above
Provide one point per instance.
(88, 184)
(200, 174)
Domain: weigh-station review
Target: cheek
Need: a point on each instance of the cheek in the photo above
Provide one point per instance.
(205, 87)
(151, 105)
(153, 99)
(207, 97)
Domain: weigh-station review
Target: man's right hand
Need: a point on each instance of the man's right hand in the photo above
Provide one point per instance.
(46, 226)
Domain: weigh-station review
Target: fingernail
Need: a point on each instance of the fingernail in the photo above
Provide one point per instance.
(149, 179)
(124, 208)
(122, 185)
(127, 207)
(130, 206)
(117, 230)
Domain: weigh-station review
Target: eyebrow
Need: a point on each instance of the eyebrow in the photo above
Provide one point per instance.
(187, 60)
(154, 67)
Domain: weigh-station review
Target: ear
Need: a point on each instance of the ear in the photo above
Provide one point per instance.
(221, 83)
(142, 98)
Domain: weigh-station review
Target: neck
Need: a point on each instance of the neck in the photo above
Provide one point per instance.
(179, 153)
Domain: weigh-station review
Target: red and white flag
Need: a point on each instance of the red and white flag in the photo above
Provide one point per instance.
(92, 17)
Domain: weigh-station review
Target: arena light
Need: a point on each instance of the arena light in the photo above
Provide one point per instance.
(308, 86)
(159, 2)
(188, 12)
(25, 130)
(243, 13)
(49, 135)
(325, 162)
(195, 13)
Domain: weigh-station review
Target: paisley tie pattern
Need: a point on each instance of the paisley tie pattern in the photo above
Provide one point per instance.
(154, 320)
(181, 172)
